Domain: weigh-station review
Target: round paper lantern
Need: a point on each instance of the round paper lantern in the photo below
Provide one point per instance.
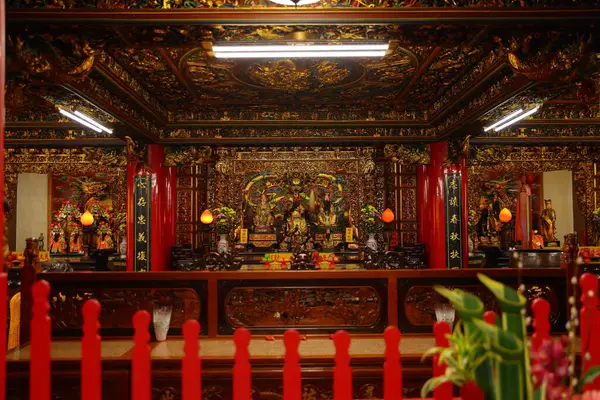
(387, 216)
(87, 218)
(206, 217)
(505, 215)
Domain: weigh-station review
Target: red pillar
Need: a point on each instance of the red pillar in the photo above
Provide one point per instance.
(424, 212)
(131, 167)
(437, 248)
(465, 212)
(169, 211)
(156, 159)
(2, 112)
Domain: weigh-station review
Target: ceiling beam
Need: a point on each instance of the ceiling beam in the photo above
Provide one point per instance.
(536, 141)
(305, 141)
(315, 16)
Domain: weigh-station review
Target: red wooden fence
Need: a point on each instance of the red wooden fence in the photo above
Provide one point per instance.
(91, 373)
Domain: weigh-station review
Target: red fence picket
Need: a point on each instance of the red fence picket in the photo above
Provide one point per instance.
(91, 353)
(589, 322)
(540, 322)
(141, 367)
(242, 379)
(3, 330)
(39, 370)
(392, 368)
(191, 366)
(440, 330)
(342, 374)
(292, 375)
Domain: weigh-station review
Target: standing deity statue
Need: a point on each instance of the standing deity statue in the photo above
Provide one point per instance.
(263, 217)
(523, 217)
(548, 222)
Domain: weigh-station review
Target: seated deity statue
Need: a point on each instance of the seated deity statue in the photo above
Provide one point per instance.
(327, 218)
(297, 223)
(263, 218)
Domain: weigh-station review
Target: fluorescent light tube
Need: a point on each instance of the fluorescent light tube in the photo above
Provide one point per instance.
(520, 117)
(291, 3)
(300, 54)
(81, 121)
(503, 120)
(91, 121)
(299, 47)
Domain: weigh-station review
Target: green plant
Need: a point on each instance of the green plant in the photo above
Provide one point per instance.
(370, 218)
(224, 219)
(466, 353)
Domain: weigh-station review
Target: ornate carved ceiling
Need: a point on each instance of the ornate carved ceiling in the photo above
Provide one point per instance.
(160, 82)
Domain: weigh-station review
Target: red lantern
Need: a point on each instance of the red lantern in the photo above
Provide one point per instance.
(387, 216)
(505, 215)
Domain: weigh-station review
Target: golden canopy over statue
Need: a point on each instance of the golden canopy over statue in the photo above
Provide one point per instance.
(548, 222)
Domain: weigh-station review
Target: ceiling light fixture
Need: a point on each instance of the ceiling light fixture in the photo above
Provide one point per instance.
(295, 3)
(520, 117)
(301, 50)
(503, 120)
(80, 120)
(93, 122)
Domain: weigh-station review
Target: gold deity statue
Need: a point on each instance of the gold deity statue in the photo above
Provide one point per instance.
(548, 222)
(297, 223)
(263, 219)
(327, 218)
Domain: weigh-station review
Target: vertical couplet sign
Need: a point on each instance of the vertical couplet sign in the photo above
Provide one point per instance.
(141, 232)
(453, 202)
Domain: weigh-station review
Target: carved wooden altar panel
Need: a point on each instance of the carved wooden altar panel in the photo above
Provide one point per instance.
(417, 299)
(401, 197)
(267, 306)
(120, 302)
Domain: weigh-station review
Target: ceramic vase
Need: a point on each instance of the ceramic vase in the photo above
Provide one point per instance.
(123, 247)
(223, 244)
(471, 246)
(161, 317)
(371, 242)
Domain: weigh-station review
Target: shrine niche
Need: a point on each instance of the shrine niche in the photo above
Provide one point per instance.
(497, 174)
(295, 193)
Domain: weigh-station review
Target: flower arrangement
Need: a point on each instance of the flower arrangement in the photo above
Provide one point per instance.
(68, 208)
(224, 219)
(493, 361)
(119, 223)
(370, 218)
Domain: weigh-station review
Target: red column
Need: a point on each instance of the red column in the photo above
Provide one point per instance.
(437, 248)
(465, 212)
(2, 112)
(424, 206)
(131, 167)
(156, 158)
(169, 211)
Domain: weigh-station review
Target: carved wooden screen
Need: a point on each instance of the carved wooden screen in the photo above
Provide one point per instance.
(192, 200)
(401, 198)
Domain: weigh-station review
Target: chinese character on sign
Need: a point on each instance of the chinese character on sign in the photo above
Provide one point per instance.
(454, 254)
(141, 256)
(141, 220)
(141, 237)
(142, 184)
(453, 201)
(141, 202)
(453, 184)
(454, 236)
(454, 219)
